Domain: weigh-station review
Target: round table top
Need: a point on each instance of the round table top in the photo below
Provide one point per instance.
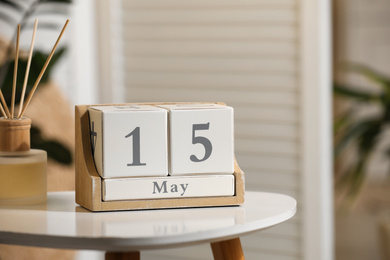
(61, 223)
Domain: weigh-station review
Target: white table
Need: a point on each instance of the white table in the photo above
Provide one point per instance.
(61, 223)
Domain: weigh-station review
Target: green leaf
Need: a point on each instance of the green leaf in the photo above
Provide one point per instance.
(7, 18)
(387, 154)
(55, 150)
(35, 134)
(43, 26)
(56, 1)
(40, 61)
(12, 4)
(365, 133)
(370, 74)
(53, 11)
(58, 54)
(342, 121)
(356, 180)
(369, 137)
(352, 133)
(357, 95)
(37, 61)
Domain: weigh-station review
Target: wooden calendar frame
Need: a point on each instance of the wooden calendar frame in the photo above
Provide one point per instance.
(89, 183)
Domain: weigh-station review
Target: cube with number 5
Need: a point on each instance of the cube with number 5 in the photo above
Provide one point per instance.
(201, 139)
(129, 141)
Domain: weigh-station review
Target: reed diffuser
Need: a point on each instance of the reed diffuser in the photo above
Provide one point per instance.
(22, 170)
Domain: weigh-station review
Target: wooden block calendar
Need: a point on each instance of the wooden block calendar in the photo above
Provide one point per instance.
(143, 178)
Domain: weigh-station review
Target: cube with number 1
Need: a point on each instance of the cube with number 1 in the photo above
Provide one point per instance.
(129, 141)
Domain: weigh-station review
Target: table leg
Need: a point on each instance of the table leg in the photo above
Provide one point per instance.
(122, 256)
(228, 250)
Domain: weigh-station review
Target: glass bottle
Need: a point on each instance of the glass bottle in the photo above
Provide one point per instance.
(22, 170)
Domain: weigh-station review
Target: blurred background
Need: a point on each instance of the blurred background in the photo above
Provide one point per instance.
(361, 51)
(305, 77)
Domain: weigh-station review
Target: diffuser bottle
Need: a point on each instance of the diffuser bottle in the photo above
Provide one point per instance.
(22, 170)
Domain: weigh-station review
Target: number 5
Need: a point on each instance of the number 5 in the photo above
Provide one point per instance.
(201, 140)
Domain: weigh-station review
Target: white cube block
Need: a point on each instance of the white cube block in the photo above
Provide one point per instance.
(129, 141)
(201, 139)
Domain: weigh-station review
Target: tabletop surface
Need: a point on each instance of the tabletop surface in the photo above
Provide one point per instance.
(61, 223)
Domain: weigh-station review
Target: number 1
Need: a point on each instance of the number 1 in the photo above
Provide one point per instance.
(136, 147)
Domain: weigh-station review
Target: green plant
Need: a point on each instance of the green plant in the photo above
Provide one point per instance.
(55, 149)
(361, 132)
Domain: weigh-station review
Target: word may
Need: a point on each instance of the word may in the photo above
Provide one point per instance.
(174, 188)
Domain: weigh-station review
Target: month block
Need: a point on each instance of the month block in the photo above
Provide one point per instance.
(168, 187)
(201, 139)
(129, 141)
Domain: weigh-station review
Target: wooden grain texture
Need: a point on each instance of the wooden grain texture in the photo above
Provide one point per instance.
(122, 256)
(15, 76)
(228, 250)
(27, 71)
(89, 184)
(15, 134)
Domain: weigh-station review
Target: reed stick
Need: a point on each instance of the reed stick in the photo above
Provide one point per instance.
(28, 68)
(4, 104)
(3, 112)
(15, 72)
(43, 70)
